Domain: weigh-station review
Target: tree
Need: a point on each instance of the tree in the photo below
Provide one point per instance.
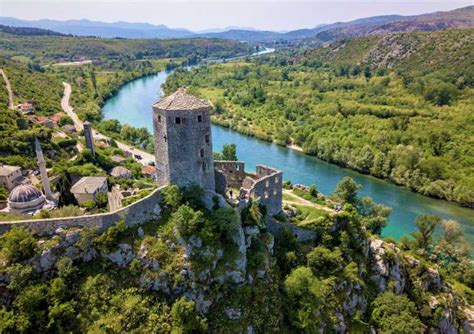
(17, 244)
(325, 261)
(229, 152)
(395, 314)
(172, 197)
(375, 216)
(346, 190)
(426, 225)
(185, 317)
(187, 221)
(312, 302)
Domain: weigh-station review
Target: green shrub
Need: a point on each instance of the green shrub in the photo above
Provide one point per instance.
(17, 244)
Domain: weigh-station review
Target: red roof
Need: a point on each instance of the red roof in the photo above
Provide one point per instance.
(149, 170)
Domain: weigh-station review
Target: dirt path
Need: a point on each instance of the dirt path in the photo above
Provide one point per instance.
(304, 202)
(146, 157)
(9, 89)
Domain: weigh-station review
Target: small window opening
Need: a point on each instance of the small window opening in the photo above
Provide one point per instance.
(266, 194)
(203, 166)
(199, 118)
(178, 120)
(166, 139)
(276, 180)
(159, 119)
(201, 153)
(207, 139)
(267, 183)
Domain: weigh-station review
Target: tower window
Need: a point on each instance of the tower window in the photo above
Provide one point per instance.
(207, 139)
(177, 120)
(159, 119)
(203, 166)
(201, 153)
(164, 137)
(199, 118)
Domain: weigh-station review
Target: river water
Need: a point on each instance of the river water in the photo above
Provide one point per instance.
(132, 105)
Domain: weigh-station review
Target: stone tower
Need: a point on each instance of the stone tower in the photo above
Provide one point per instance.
(43, 172)
(89, 137)
(183, 141)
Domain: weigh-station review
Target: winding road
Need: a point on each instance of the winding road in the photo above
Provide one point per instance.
(9, 89)
(146, 158)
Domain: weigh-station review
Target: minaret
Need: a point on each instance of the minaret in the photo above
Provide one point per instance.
(42, 168)
(89, 137)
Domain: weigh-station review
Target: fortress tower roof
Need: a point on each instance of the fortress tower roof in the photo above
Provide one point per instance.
(181, 100)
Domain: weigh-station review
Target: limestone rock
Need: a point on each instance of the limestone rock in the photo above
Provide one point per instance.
(232, 313)
(122, 256)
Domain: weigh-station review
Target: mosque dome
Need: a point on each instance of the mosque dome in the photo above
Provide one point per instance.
(26, 199)
(24, 193)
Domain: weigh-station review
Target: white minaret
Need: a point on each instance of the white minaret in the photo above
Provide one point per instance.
(44, 173)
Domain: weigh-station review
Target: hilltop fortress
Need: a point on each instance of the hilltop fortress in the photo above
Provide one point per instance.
(184, 156)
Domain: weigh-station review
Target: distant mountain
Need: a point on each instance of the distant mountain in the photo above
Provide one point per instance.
(26, 31)
(461, 18)
(101, 29)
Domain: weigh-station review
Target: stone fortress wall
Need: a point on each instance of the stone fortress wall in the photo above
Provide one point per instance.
(141, 211)
(234, 172)
(266, 184)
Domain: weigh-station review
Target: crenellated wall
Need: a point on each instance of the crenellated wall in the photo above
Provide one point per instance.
(139, 212)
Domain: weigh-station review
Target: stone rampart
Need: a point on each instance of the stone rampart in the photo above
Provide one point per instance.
(136, 213)
(268, 187)
(234, 172)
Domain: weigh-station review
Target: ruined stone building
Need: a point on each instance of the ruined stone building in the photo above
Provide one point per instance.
(183, 141)
(184, 156)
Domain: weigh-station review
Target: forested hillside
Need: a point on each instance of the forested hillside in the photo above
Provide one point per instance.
(398, 107)
(44, 49)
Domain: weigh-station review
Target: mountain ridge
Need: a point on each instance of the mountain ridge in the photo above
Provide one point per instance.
(459, 18)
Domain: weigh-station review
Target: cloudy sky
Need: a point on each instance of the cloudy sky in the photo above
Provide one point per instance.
(205, 14)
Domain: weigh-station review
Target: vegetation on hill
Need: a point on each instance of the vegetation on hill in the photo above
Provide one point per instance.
(199, 270)
(408, 120)
(47, 49)
(28, 31)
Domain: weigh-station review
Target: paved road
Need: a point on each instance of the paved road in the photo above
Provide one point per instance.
(9, 89)
(146, 157)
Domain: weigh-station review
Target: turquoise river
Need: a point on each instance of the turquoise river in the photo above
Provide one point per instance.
(132, 105)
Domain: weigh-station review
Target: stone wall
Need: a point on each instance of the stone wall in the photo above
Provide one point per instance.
(275, 227)
(268, 187)
(136, 213)
(234, 172)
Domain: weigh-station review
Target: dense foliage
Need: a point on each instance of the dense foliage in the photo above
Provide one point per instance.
(410, 122)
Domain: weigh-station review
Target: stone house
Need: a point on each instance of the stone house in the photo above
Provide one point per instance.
(87, 188)
(10, 176)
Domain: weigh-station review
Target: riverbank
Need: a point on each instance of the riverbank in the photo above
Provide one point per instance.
(132, 105)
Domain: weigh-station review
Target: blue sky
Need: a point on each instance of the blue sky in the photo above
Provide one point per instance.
(201, 14)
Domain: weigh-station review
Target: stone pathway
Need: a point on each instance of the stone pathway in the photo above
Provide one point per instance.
(9, 89)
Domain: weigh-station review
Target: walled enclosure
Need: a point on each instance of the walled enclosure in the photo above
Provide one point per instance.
(234, 172)
(146, 209)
